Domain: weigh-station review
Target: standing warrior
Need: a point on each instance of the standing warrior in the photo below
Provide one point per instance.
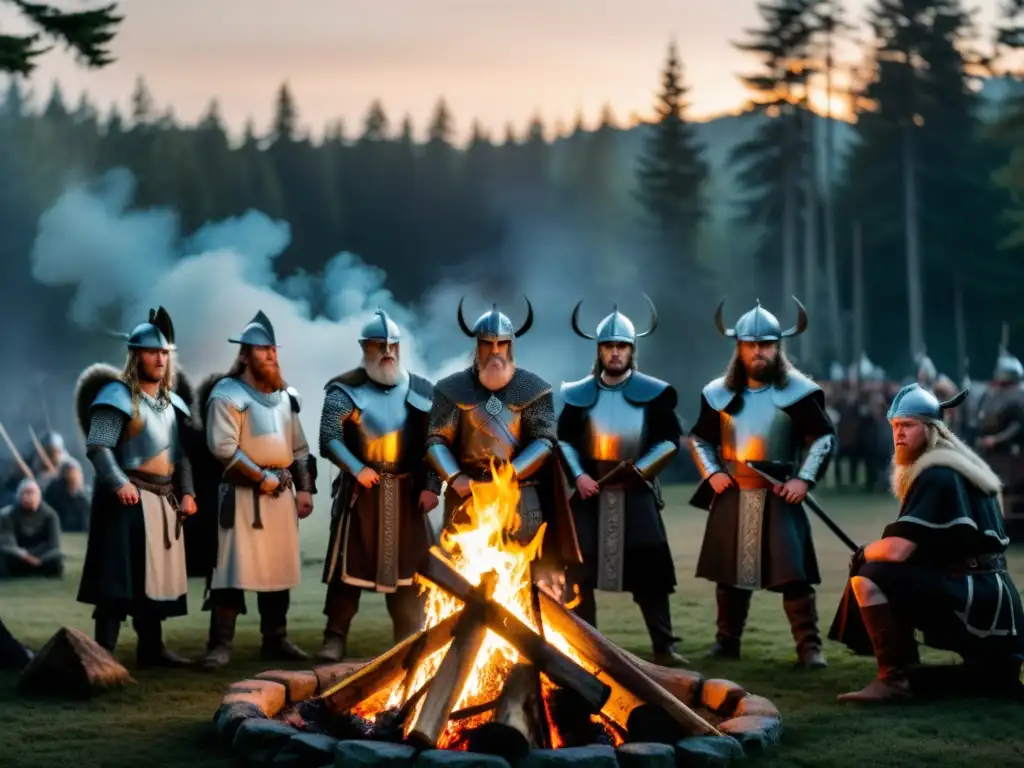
(939, 567)
(763, 409)
(136, 426)
(253, 429)
(374, 428)
(494, 409)
(1000, 429)
(617, 431)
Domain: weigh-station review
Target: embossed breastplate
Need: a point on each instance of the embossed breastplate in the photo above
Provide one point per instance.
(150, 433)
(379, 423)
(488, 429)
(615, 427)
(760, 431)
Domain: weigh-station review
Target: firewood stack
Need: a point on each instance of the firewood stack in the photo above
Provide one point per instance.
(548, 698)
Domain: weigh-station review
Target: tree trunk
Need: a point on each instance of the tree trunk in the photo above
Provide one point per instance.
(961, 326)
(915, 296)
(831, 266)
(858, 294)
(809, 349)
(789, 214)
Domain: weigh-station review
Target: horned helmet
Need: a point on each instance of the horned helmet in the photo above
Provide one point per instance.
(616, 327)
(156, 333)
(761, 325)
(495, 325)
(916, 402)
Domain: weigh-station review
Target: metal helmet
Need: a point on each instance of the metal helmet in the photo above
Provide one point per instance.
(258, 333)
(494, 325)
(380, 327)
(1008, 368)
(926, 368)
(155, 333)
(761, 325)
(616, 327)
(53, 440)
(835, 371)
(916, 402)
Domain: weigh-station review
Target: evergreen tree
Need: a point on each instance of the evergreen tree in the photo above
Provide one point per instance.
(671, 174)
(919, 182)
(285, 125)
(87, 33)
(770, 164)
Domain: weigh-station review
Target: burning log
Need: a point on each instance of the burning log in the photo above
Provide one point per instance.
(515, 728)
(424, 729)
(557, 666)
(387, 670)
(613, 661)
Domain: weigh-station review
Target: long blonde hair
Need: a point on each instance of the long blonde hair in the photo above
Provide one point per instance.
(130, 376)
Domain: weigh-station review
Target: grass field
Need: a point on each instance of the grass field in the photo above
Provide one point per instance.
(165, 719)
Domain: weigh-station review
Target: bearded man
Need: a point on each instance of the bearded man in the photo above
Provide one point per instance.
(135, 422)
(763, 409)
(496, 410)
(374, 428)
(617, 431)
(253, 430)
(940, 567)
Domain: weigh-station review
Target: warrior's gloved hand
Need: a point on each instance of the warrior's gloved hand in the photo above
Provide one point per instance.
(270, 482)
(857, 560)
(720, 481)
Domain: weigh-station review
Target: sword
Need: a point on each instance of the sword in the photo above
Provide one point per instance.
(763, 468)
(14, 452)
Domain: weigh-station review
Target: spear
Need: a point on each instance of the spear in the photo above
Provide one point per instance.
(39, 450)
(14, 452)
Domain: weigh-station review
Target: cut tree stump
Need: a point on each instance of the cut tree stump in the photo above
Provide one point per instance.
(72, 664)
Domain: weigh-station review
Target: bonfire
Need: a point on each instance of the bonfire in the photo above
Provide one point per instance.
(502, 666)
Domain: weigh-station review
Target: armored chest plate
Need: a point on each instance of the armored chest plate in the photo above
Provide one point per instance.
(758, 431)
(380, 420)
(152, 432)
(616, 427)
(488, 429)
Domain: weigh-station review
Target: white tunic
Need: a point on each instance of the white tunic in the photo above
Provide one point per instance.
(266, 428)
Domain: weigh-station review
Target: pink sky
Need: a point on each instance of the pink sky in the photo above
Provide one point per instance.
(497, 60)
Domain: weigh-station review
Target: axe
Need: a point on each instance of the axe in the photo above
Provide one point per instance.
(773, 470)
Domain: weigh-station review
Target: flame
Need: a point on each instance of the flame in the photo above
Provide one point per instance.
(606, 447)
(487, 540)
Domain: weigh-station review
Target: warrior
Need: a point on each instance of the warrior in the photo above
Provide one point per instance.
(758, 535)
(618, 429)
(374, 429)
(136, 424)
(927, 374)
(496, 410)
(940, 567)
(1000, 430)
(266, 487)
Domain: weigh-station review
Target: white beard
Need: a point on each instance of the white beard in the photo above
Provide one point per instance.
(386, 377)
(494, 379)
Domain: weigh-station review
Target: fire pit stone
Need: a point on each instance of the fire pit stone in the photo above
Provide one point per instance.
(646, 755)
(299, 686)
(259, 741)
(443, 758)
(708, 752)
(721, 696)
(597, 755)
(268, 695)
(374, 754)
(756, 734)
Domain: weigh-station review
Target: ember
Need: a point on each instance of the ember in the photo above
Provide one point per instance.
(503, 667)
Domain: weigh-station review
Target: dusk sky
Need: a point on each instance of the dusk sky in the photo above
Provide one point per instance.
(497, 60)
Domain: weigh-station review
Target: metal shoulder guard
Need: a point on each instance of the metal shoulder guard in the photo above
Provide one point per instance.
(116, 395)
(421, 393)
(718, 395)
(642, 389)
(293, 395)
(797, 388)
(580, 394)
(180, 404)
(230, 390)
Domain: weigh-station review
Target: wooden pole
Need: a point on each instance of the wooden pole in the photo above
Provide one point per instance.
(961, 325)
(911, 225)
(831, 261)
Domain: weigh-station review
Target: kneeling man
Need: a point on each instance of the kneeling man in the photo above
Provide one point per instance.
(940, 567)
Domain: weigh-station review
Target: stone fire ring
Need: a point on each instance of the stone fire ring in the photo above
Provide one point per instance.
(245, 723)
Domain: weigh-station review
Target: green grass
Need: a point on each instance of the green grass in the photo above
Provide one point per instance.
(165, 719)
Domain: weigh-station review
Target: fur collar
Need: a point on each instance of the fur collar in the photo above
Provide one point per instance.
(945, 454)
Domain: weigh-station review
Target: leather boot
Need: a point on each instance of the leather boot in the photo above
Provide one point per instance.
(222, 635)
(276, 646)
(733, 606)
(802, 613)
(670, 657)
(334, 649)
(895, 650)
(406, 609)
(151, 651)
(106, 633)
